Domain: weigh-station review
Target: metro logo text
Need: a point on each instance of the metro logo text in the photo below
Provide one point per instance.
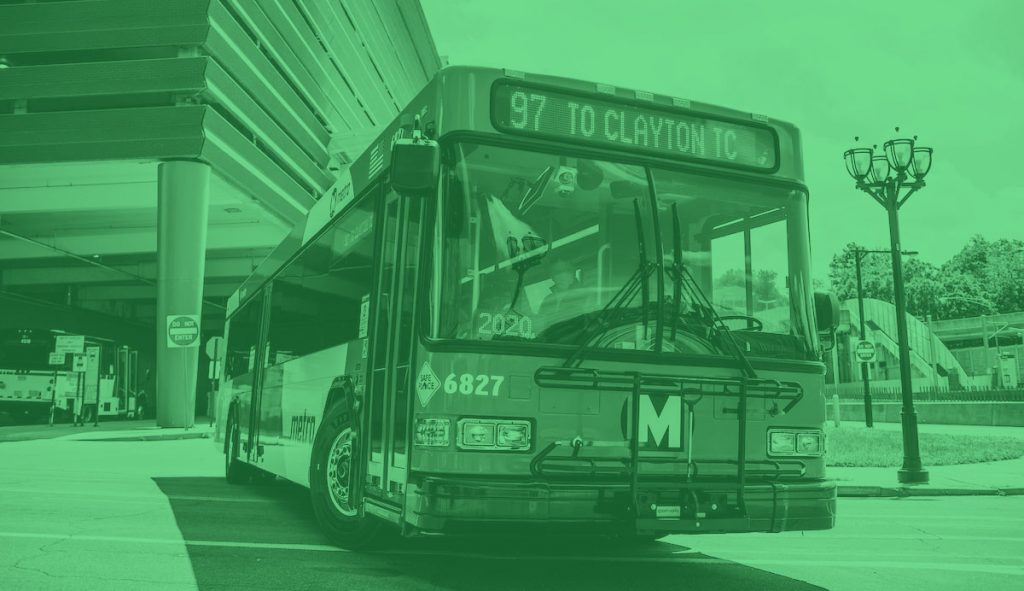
(303, 428)
(660, 422)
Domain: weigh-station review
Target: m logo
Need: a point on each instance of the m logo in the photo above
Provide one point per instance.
(661, 422)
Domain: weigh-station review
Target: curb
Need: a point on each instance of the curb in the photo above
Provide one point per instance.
(142, 437)
(889, 491)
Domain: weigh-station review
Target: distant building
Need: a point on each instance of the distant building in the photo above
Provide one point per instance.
(990, 348)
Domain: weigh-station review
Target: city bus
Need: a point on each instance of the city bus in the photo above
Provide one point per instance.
(541, 304)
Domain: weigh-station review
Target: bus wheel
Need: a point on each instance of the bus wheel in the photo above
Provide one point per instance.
(333, 472)
(235, 470)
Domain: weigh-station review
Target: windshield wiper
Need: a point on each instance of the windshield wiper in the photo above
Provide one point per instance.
(683, 280)
(639, 281)
(677, 262)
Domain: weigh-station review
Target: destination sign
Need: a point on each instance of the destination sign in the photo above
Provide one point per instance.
(662, 131)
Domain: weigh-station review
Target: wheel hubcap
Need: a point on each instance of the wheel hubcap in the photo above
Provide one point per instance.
(339, 472)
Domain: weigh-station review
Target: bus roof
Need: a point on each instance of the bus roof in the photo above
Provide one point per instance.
(484, 87)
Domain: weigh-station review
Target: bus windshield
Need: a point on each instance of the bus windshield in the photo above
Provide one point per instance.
(534, 246)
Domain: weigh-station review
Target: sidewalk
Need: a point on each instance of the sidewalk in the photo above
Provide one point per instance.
(989, 478)
(138, 430)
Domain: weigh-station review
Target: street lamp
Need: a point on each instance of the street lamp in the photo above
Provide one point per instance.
(858, 257)
(902, 166)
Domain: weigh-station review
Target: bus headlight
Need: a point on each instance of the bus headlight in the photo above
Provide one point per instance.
(432, 432)
(494, 434)
(809, 444)
(793, 442)
(781, 442)
(478, 434)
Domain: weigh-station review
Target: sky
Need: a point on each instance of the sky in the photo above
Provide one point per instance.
(951, 73)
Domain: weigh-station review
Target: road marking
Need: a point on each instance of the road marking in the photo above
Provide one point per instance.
(921, 537)
(756, 562)
(674, 557)
(174, 542)
(942, 518)
(994, 569)
(154, 497)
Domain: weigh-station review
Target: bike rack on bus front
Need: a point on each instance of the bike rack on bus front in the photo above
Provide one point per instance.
(633, 383)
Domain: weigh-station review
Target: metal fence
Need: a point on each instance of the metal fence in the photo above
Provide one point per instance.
(929, 394)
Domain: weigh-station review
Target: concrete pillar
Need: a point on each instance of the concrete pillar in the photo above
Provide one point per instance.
(183, 200)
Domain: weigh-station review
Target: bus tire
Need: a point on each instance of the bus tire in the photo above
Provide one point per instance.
(235, 470)
(333, 470)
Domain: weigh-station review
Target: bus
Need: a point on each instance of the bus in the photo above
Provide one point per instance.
(40, 383)
(542, 304)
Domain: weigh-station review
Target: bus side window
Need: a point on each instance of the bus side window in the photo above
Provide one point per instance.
(243, 331)
(316, 299)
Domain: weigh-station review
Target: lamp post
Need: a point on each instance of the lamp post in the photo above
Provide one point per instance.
(902, 167)
(858, 257)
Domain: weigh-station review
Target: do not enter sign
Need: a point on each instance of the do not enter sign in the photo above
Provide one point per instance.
(865, 351)
(183, 330)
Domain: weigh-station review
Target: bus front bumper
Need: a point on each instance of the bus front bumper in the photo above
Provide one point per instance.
(473, 505)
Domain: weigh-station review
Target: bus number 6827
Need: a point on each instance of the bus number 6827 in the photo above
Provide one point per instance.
(467, 383)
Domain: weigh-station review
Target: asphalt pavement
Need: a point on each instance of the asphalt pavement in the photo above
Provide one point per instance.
(92, 514)
(141, 429)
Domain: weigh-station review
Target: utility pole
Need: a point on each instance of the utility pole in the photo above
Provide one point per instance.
(869, 419)
(858, 257)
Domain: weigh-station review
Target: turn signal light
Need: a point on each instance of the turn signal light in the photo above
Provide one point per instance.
(433, 432)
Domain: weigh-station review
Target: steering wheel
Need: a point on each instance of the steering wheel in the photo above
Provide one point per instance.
(758, 326)
(683, 343)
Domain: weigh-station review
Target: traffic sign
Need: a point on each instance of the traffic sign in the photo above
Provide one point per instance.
(865, 351)
(182, 330)
(57, 358)
(69, 344)
(80, 363)
(215, 348)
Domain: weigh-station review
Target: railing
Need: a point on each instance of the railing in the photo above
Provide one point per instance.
(929, 394)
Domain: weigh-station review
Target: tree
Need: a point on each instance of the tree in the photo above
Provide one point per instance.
(983, 278)
(876, 274)
(962, 296)
(766, 289)
(923, 287)
(921, 280)
(765, 286)
(992, 273)
(1006, 275)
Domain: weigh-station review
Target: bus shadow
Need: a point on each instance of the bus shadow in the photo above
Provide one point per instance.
(264, 536)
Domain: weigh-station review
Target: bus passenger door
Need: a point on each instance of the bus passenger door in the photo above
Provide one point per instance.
(391, 378)
(258, 410)
(243, 362)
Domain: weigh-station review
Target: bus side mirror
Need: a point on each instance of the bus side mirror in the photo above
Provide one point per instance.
(826, 316)
(415, 166)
